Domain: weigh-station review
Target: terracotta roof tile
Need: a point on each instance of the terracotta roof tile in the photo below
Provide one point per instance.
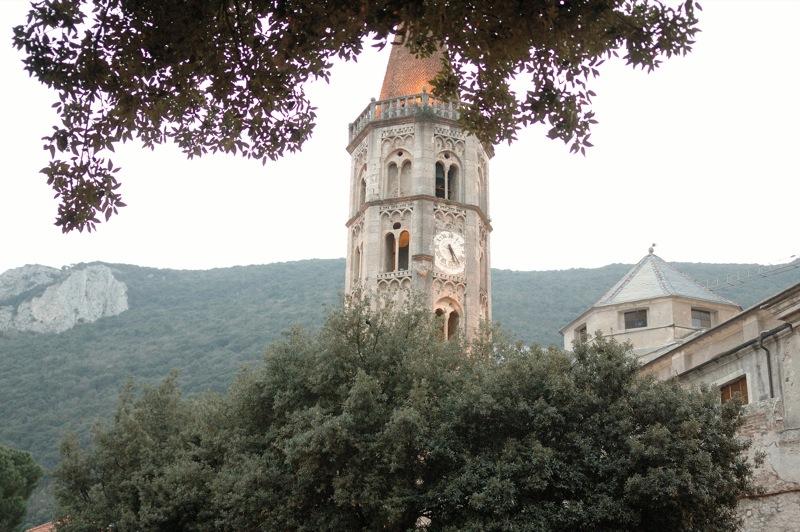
(407, 74)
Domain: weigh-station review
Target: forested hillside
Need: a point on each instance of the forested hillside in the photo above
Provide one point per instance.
(207, 324)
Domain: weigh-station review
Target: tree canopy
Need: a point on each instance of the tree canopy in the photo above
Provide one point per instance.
(229, 75)
(374, 423)
(19, 475)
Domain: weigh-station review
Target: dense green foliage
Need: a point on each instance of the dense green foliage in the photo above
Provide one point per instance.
(373, 423)
(19, 475)
(229, 75)
(207, 324)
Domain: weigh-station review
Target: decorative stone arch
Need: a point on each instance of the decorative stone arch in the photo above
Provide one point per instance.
(394, 289)
(452, 317)
(449, 176)
(397, 173)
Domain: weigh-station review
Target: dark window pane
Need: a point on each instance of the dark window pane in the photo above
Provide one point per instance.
(737, 388)
(701, 319)
(636, 319)
(439, 180)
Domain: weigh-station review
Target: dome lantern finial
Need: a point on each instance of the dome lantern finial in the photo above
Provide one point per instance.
(652, 248)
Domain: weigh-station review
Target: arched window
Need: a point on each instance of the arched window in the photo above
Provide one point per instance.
(356, 265)
(392, 181)
(440, 183)
(452, 183)
(405, 179)
(362, 192)
(402, 250)
(452, 325)
(389, 253)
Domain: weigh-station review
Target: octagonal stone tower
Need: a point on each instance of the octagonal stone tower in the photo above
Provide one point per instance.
(419, 199)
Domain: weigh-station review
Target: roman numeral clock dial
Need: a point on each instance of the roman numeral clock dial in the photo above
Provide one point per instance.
(448, 250)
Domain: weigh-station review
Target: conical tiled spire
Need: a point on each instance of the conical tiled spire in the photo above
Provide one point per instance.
(652, 278)
(407, 74)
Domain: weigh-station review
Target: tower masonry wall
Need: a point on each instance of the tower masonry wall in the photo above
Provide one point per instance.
(425, 176)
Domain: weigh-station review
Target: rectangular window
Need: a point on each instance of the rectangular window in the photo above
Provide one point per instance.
(581, 334)
(701, 319)
(737, 388)
(636, 319)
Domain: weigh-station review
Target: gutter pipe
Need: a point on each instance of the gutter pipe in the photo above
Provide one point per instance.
(754, 341)
(762, 336)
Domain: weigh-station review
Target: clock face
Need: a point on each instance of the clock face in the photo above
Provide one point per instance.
(448, 250)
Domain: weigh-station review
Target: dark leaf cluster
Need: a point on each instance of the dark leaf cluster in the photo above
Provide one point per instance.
(375, 424)
(229, 75)
(19, 475)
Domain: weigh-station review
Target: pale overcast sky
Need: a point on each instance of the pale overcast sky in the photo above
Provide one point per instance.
(699, 157)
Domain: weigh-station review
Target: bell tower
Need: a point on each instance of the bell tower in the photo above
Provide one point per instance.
(419, 199)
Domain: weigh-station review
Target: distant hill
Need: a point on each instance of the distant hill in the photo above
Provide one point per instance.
(207, 324)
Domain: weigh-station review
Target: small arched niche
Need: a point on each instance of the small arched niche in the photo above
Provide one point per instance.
(356, 266)
(392, 182)
(362, 192)
(405, 179)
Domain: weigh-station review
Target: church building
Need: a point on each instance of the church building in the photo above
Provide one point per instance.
(419, 201)
(654, 306)
(680, 330)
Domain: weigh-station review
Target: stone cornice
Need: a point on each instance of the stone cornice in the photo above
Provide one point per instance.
(422, 197)
(387, 122)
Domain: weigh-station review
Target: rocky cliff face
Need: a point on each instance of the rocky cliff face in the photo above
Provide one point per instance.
(47, 300)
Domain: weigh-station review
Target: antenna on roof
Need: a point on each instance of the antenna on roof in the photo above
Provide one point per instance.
(752, 274)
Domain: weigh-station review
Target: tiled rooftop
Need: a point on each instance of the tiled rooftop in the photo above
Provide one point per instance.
(652, 278)
(407, 74)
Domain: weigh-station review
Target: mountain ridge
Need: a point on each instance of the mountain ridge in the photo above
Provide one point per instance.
(207, 324)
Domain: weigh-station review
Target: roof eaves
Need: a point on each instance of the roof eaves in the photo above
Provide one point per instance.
(746, 312)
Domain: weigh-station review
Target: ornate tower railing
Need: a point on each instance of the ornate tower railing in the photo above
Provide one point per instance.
(400, 107)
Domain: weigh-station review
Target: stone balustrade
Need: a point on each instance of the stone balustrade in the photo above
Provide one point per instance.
(400, 107)
(401, 274)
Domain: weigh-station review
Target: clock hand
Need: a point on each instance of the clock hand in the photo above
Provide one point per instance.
(452, 253)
